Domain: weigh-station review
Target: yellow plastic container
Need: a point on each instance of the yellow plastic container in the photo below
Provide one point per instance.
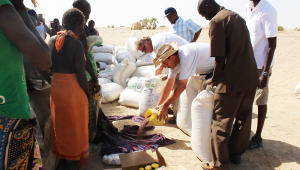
(152, 113)
(141, 169)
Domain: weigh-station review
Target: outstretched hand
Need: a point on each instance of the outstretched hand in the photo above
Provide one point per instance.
(163, 112)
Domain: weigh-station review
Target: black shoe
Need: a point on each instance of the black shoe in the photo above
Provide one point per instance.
(236, 160)
(254, 143)
(173, 120)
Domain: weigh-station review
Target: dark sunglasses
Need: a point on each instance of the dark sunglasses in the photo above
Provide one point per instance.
(144, 49)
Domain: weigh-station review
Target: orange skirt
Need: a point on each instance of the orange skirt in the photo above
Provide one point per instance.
(69, 111)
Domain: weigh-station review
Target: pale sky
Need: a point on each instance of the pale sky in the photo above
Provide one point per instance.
(126, 12)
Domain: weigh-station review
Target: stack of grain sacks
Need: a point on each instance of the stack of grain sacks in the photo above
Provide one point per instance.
(126, 74)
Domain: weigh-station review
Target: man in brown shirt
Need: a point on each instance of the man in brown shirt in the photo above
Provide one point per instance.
(235, 76)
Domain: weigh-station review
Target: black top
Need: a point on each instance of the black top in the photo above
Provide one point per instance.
(61, 63)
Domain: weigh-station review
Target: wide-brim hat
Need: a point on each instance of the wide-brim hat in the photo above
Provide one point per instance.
(164, 51)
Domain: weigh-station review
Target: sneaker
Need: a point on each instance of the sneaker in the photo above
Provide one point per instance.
(173, 120)
(254, 143)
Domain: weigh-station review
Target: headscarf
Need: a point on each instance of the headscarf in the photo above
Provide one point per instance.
(61, 38)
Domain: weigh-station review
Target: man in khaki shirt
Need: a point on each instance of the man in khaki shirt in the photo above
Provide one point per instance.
(235, 76)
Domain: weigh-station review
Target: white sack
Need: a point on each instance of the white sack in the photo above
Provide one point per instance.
(150, 94)
(136, 83)
(123, 71)
(130, 46)
(144, 71)
(102, 65)
(102, 49)
(184, 118)
(105, 74)
(111, 92)
(104, 81)
(297, 90)
(104, 57)
(202, 111)
(145, 60)
(121, 53)
(130, 98)
(110, 67)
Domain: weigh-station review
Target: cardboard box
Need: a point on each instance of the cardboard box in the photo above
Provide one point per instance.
(136, 160)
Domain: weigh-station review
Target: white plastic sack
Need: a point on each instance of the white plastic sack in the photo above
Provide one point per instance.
(297, 90)
(102, 49)
(104, 81)
(113, 159)
(123, 71)
(111, 92)
(130, 46)
(130, 98)
(145, 60)
(150, 94)
(121, 53)
(102, 65)
(105, 74)
(202, 111)
(110, 67)
(144, 71)
(136, 84)
(184, 118)
(104, 57)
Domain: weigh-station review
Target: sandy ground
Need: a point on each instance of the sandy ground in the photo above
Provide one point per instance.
(281, 138)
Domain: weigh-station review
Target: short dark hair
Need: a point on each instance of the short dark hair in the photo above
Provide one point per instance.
(55, 19)
(91, 21)
(80, 4)
(71, 18)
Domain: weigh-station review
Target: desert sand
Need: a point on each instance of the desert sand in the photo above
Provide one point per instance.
(281, 141)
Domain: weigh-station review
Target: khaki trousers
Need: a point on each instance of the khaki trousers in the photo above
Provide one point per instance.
(229, 107)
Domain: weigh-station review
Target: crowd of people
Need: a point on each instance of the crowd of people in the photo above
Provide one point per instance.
(238, 61)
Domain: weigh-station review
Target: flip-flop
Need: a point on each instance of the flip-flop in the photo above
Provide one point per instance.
(93, 147)
(206, 166)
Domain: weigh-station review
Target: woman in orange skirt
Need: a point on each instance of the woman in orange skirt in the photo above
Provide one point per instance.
(69, 94)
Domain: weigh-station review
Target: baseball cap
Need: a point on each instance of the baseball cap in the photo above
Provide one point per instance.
(169, 10)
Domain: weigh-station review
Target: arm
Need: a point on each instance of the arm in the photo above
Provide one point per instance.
(270, 56)
(47, 28)
(24, 37)
(163, 111)
(196, 36)
(80, 65)
(166, 90)
(89, 67)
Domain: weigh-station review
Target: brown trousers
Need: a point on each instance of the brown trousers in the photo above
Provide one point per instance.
(230, 140)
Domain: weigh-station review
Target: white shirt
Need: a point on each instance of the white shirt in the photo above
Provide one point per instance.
(194, 59)
(165, 37)
(42, 31)
(262, 24)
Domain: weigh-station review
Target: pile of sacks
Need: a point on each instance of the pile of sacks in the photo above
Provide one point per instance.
(128, 75)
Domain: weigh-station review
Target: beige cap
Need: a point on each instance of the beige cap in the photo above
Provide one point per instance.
(164, 51)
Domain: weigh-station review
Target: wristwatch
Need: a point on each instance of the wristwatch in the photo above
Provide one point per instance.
(265, 74)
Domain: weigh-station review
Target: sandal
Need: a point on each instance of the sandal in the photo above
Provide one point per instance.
(93, 147)
(206, 166)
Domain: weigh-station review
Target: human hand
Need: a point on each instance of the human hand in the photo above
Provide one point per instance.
(206, 83)
(163, 112)
(263, 81)
(159, 69)
(96, 88)
(165, 77)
